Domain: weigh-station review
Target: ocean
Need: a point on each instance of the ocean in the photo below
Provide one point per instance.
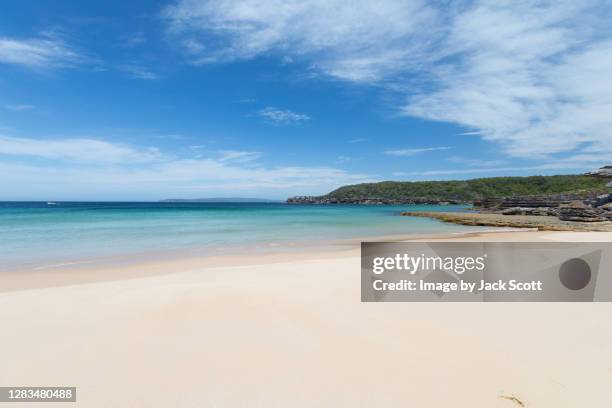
(36, 234)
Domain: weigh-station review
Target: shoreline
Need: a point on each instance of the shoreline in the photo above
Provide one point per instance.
(148, 265)
(250, 249)
(90, 233)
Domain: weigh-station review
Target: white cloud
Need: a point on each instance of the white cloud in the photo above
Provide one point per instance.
(414, 152)
(193, 46)
(78, 150)
(139, 72)
(487, 171)
(460, 171)
(282, 116)
(42, 168)
(19, 107)
(532, 76)
(476, 162)
(238, 156)
(359, 40)
(45, 51)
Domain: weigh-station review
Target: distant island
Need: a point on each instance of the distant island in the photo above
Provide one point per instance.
(219, 200)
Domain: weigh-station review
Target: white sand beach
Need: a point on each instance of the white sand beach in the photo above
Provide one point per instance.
(289, 330)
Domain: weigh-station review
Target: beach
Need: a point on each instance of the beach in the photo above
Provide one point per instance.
(288, 329)
(306, 204)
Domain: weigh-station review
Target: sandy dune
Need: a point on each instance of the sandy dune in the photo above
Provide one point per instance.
(291, 332)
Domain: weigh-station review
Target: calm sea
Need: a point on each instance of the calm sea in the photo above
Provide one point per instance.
(38, 233)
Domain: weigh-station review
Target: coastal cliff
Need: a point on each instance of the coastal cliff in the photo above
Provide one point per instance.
(587, 210)
(553, 203)
(370, 200)
(565, 188)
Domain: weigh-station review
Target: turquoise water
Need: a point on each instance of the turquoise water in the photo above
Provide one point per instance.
(32, 233)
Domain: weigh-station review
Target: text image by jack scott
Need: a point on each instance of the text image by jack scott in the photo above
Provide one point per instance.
(486, 272)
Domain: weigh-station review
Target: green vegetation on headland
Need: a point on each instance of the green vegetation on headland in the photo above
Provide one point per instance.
(554, 203)
(460, 191)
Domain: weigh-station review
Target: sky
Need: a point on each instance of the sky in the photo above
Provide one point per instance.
(146, 100)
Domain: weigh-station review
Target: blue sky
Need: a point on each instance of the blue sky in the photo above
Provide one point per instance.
(146, 100)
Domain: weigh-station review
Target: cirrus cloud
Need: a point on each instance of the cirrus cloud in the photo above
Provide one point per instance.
(19, 107)
(359, 40)
(282, 116)
(45, 51)
(531, 76)
(414, 151)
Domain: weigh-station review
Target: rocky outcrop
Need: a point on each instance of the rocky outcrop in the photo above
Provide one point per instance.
(576, 208)
(605, 171)
(580, 212)
(369, 200)
(542, 223)
(302, 200)
(530, 211)
(544, 201)
(602, 200)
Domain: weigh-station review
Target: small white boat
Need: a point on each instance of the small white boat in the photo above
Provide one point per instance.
(51, 203)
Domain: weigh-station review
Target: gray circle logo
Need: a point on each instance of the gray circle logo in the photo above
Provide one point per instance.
(575, 274)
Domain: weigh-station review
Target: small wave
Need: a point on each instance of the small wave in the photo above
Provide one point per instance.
(62, 264)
